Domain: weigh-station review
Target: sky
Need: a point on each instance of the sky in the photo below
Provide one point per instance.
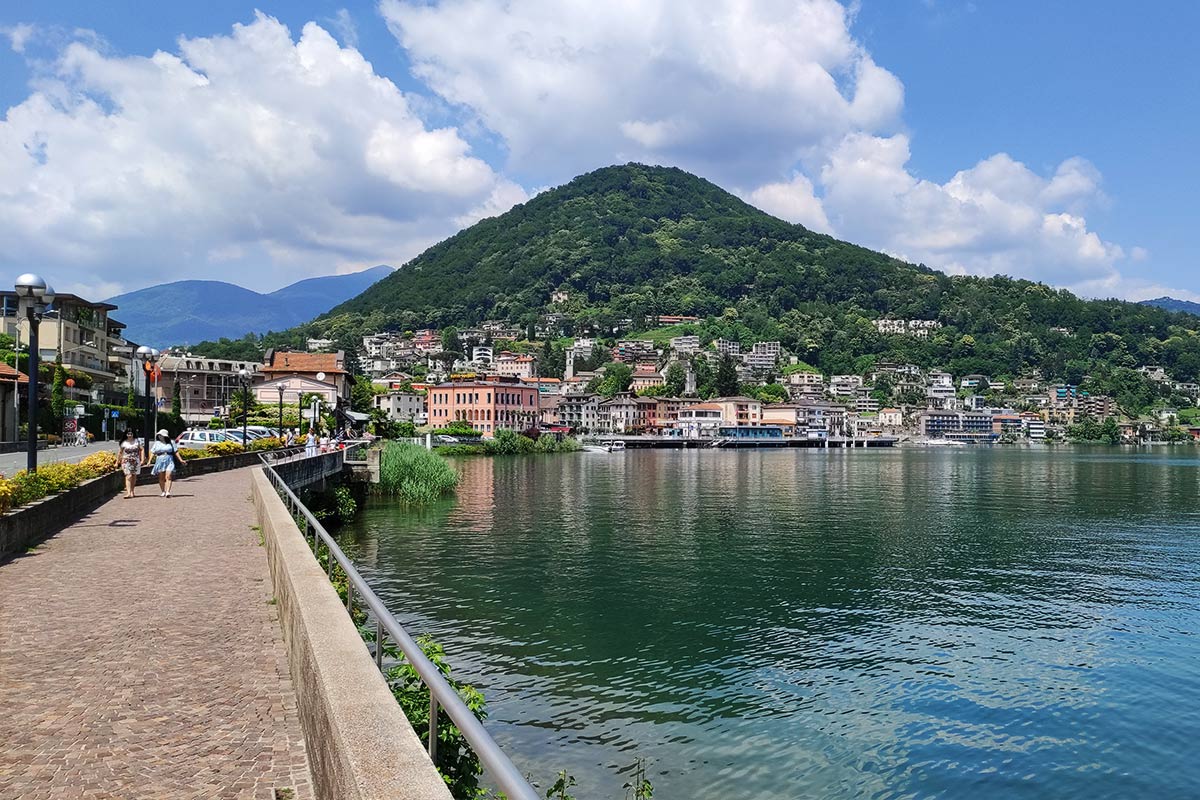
(265, 143)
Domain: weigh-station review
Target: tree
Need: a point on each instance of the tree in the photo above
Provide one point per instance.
(616, 379)
(450, 340)
(675, 379)
(58, 398)
(176, 401)
(362, 394)
(725, 382)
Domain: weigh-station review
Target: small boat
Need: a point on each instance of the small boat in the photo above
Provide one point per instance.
(613, 445)
(942, 443)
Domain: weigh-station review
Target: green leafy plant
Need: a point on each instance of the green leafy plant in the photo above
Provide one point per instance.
(413, 473)
(456, 761)
(558, 789)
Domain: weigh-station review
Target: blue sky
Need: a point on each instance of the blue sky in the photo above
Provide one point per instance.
(1049, 141)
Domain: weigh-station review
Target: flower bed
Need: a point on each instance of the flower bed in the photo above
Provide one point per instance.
(26, 487)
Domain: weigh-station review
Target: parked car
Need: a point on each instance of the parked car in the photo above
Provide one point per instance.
(198, 438)
(444, 439)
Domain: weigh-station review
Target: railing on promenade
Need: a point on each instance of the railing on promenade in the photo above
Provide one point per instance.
(442, 696)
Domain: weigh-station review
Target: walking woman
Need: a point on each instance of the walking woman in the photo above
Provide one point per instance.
(165, 456)
(131, 460)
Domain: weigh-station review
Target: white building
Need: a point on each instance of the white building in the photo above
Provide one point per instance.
(514, 364)
(317, 345)
(763, 356)
(726, 347)
(685, 344)
(402, 406)
(845, 385)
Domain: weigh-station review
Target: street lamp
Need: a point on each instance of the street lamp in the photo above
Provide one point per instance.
(35, 296)
(280, 387)
(244, 376)
(149, 358)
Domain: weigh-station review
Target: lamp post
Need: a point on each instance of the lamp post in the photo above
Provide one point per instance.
(244, 376)
(35, 296)
(149, 358)
(280, 387)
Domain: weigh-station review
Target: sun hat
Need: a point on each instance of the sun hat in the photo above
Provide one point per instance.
(163, 432)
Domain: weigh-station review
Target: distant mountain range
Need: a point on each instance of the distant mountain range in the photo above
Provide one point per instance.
(1171, 304)
(186, 312)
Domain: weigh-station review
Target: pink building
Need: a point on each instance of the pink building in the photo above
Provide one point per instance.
(488, 406)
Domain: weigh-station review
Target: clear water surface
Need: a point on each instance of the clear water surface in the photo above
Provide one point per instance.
(968, 623)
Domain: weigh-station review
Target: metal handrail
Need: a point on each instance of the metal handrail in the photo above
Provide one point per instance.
(441, 694)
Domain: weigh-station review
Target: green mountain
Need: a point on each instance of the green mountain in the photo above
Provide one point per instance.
(185, 312)
(1172, 304)
(632, 242)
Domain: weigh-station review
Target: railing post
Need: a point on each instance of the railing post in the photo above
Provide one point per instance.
(350, 599)
(433, 727)
(379, 644)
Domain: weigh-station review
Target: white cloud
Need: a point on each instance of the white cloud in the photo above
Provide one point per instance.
(997, 217)
(18, 35)
(793, 201)
(774, 95)
(252, 156)
(343, 23)
(734, 89)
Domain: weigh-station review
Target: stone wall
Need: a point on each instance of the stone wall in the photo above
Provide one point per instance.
(360, 745)
(26, 526)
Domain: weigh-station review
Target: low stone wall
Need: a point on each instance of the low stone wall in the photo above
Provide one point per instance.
(360, 745)
(26, 526)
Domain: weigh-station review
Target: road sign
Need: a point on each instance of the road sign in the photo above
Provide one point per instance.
(115, 413)
(69, 426)
(79, 411)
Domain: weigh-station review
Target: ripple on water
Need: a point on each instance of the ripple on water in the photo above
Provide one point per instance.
(993, 623)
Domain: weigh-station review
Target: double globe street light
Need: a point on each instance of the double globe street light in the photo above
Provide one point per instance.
(149, 358)
(34, 296)
(244, 377)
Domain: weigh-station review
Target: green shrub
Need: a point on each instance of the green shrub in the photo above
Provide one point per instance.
(266, 443)
(60, 476)
(507, 443)
(224, 448)
(413, 473)
(27, 487)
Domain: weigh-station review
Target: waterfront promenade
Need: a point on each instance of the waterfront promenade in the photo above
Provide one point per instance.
(141, 656)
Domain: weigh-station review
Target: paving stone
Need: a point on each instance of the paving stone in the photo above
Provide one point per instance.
(140, 656)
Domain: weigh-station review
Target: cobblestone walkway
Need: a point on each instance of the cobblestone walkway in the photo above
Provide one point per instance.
(140, 656)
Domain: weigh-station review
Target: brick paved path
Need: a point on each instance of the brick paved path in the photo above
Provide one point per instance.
(140, 656)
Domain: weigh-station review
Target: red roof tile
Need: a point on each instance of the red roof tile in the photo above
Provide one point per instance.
(304, 362)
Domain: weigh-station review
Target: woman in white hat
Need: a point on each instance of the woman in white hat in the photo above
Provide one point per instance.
(164, 454)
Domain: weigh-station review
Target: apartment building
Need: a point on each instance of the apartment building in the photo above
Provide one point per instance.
(401, 406)
(956, 425)
(580, 412)
(646, 378)
(205, 384)
(80, 332)
(513, 365)
(488, 406)
(763, 356)
(845, 385)
(685, 344)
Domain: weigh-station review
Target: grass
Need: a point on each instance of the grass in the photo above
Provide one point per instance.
(414, 474)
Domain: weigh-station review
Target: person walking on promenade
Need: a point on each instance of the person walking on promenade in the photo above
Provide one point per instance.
(165, 456)
(310, 443)
(131, 460)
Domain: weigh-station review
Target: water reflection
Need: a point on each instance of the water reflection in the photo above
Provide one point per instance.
(768, 624)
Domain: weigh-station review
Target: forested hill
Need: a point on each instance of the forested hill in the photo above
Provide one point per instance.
(628, 240)
(633, 241)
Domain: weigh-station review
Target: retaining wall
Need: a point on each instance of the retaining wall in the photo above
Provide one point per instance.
(360, 745)
(26, 526)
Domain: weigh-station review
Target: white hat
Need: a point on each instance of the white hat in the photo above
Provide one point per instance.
(163, 432)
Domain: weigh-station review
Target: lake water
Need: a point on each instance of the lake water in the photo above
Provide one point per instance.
(966, 623)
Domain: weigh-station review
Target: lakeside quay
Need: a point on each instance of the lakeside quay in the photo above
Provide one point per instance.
(676, 443)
